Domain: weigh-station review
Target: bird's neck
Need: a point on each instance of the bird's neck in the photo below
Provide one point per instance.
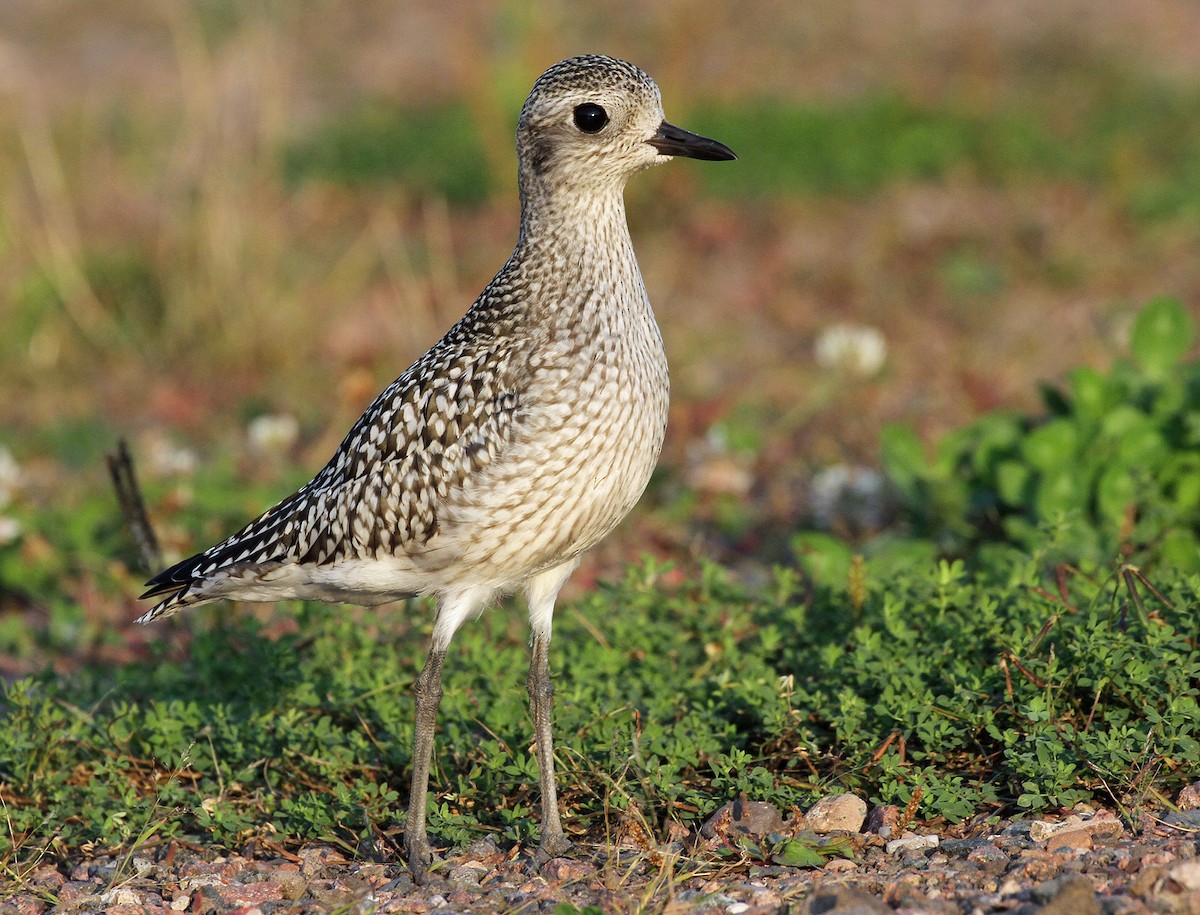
(573, 266)
(581, 233)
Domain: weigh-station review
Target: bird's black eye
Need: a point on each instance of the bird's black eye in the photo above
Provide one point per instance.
(590, 118)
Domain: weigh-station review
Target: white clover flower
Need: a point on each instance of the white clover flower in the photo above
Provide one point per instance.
(10, 530)
(164, 458)
(10, 476)
(853, 349)
(272, 434)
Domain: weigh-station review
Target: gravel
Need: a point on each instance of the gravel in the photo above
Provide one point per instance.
(1084, 862)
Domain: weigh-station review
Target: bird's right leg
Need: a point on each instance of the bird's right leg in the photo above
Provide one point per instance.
(453, 608)
(428, 691)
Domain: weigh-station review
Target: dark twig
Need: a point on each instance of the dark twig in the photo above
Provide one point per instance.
(133, 508)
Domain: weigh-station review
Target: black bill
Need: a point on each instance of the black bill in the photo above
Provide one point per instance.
(675, 141)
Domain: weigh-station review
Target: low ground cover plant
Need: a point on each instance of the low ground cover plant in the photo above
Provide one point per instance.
(1019, 647)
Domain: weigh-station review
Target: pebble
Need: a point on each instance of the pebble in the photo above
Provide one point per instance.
(837, 813)
(1186, 874)
(1189, 797)
(468, 873)
(910, 844)
(990, 859)
(744, 816)
(1071, 839)
(1183, 819)
(1073, 896)
(564, 869)
(249, 894)
(963, 847)
(121, 896)
(840, 866)
(191, 883)
(844, 900)
(884, 820)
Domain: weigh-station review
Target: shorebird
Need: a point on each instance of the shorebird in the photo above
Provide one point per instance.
(511, 447)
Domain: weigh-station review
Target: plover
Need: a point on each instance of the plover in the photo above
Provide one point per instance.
(511, 447)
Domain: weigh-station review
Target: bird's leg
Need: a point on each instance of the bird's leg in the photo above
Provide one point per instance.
(541, 704)
(541, 592)
(428, 690)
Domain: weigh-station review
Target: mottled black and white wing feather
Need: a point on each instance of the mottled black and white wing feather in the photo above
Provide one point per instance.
(448, 417)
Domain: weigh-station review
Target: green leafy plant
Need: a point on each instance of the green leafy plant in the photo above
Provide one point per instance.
(1113, 468)
(954, 684)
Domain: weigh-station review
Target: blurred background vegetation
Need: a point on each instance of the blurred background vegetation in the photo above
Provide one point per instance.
(222, 210)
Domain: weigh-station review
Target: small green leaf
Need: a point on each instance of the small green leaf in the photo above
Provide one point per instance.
(1012, 482)
(1115, 493)
(1161, 335)
(798, 853)
(1052, 446)
(903, 457)
(1094, 394)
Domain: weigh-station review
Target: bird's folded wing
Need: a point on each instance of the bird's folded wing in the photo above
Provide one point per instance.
(446, 419)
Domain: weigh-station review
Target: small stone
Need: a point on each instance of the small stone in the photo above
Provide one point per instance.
(468, 874)
(1189, 797)
(1183, 819)
(963, 847)
(989, 859)
(743, 817)
(292, 884)
(437, 900)
(248, 894)
(121, 896)
(105, 872)
(565, 869)
(837, 812)
(737, 908)
(482, 848)
(180, 903)
(1074, 896)
(844, 900)
(884, 821)
(911, 844)
(77, 889)
(1072, 839)
(1186, 874)
(1041, 830)
(840, 866)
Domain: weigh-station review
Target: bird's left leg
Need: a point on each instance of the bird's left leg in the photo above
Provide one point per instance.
(541, 592)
